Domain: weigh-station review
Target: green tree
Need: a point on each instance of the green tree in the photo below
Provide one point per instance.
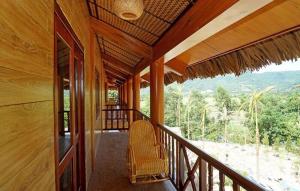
(173, 105)
(253, 104)
(224, 105)
(193, 111)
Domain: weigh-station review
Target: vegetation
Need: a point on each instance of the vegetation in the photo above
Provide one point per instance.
(112, 94)
(268, 116)
(252, 110)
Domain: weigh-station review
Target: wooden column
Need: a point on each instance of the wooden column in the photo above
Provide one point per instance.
(125, 93)
(106, 92)
(157, 93)
(129, 100)
(122, 94)
(136, 93)
(129, 93)
(119, 95)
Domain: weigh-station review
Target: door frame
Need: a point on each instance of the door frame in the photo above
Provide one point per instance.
(61, 25)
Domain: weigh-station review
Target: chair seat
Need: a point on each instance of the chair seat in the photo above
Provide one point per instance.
(146, 166)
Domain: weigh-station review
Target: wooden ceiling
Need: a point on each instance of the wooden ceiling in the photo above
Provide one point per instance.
(112, 49)
(157, 18)
(130, 46)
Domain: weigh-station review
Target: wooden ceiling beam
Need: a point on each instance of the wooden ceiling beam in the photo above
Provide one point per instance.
(117, 72)
(114, 81)
(108, 73)
(170, 69)
(200, 14)
(117, 64)
(177, 66)
(142, 65)
(121, 38)
(146, 77)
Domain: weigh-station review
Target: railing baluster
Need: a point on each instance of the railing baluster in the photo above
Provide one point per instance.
(111, 119)
(210, 178)
(165, 139)
(202, 176)
(123, 119)
(177, 164)
(181, 167)
(105, 119)
(222, 181)
(173, 158)
(235, 186)
(117, 119)
(169, 153)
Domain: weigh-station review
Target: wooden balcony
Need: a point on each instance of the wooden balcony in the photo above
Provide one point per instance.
(190, 167)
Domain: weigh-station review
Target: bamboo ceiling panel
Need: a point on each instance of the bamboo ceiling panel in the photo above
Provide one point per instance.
(157, 18)
(112, 49)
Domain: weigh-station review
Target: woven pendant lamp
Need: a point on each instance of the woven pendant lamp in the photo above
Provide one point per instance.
(129, 9)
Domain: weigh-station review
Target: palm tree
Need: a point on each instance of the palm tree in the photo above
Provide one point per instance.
(178, 106)
(225, 120)
(204, 113)
(188, 115)
(297, 86)
(253, 111)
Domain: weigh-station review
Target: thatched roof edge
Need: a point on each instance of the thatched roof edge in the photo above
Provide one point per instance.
(252, 58)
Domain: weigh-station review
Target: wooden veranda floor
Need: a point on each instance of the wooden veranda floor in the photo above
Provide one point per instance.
(111, 170)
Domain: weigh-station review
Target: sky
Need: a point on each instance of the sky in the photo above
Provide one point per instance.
(286, 66)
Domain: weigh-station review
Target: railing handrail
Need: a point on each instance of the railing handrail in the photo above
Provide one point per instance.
(226, 170)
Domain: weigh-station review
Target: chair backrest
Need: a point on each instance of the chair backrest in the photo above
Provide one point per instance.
(142, 139)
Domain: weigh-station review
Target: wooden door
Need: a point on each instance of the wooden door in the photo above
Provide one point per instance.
(69, 108)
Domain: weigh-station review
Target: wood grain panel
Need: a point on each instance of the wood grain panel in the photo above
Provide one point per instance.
(26, 65)
(22, 87)
(26, 33)
(27, 142)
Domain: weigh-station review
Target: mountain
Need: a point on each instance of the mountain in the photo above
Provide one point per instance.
(283, 81)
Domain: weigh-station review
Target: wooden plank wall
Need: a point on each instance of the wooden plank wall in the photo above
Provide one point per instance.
(26, 95)
(26, 91)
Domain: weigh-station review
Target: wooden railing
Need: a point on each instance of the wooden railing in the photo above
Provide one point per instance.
(119, 117)
(190, 168)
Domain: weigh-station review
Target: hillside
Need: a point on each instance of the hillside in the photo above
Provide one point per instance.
(247, 82)
(283, 81)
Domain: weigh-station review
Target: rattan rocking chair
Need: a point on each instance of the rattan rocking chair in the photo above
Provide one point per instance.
(147, 160)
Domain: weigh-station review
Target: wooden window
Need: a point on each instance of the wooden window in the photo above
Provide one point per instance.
(69, 107)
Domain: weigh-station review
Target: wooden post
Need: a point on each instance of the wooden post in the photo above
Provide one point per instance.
(106, 92)
(157, 93)
(129, 100)
(119, 95)
(122, 95)
(136, 94)
(125, 93)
